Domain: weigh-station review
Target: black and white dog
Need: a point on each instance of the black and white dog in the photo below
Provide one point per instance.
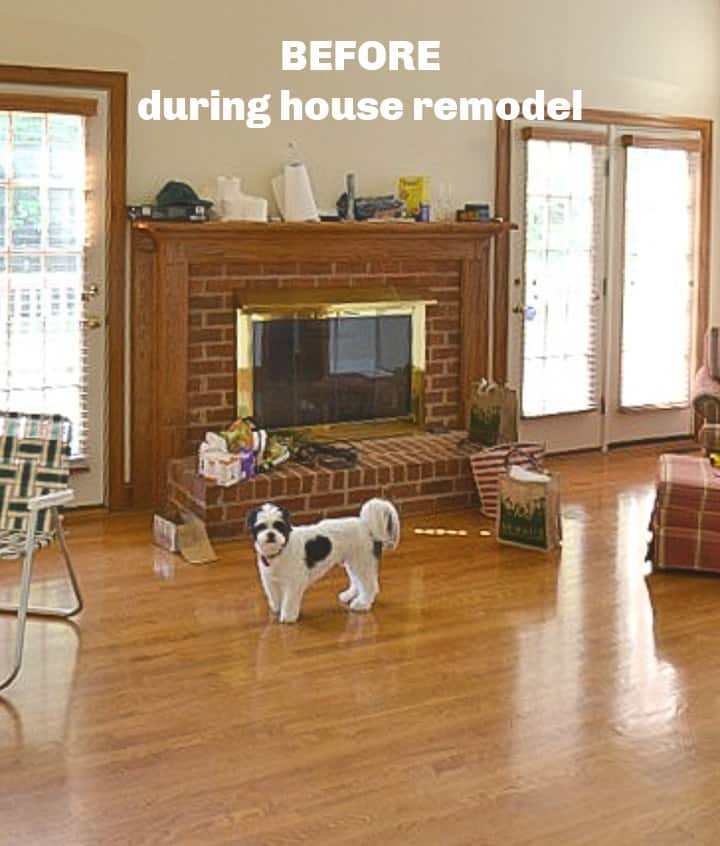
(290, 558)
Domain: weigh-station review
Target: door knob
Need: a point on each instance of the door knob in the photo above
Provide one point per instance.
(90, 293)
(93, 322)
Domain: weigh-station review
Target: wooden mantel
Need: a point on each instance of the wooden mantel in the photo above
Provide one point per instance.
(163, 254)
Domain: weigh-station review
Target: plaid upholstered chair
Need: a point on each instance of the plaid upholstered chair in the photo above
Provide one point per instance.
(706, 392)
(34, 475)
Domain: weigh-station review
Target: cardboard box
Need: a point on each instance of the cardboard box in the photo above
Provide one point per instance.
(183, 532)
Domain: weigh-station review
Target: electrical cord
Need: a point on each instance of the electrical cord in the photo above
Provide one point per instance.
(331, 455)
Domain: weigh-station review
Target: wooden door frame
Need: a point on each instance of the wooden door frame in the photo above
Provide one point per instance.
(503, 162)
(115, 84)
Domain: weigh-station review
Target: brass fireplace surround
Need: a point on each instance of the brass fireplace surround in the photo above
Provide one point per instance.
(325, 304)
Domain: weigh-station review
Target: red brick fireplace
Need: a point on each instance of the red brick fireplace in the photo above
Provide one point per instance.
(213, 292)
(187, 279)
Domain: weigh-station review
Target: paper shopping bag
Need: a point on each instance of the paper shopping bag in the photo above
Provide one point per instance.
(529, 508)
(493, 414)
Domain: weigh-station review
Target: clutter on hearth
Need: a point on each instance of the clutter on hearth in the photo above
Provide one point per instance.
(243, 450)
(216, 462)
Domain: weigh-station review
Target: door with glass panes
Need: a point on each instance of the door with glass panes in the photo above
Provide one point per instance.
(602, 291)
(52, 266)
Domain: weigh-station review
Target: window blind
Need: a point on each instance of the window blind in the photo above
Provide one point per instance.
(44, 205)
(564, 207)
(659, 268)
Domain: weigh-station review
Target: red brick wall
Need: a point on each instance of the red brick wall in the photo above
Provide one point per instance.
(211, 379)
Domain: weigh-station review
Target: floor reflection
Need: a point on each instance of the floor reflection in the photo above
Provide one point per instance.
(549, 680)
(647, 695)
(37, 704)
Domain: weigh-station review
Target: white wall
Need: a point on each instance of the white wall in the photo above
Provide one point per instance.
(648, 55)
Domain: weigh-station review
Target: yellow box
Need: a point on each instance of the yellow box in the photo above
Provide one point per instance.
(414, 191)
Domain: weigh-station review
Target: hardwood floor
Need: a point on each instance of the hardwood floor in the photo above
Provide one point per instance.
(493, 696)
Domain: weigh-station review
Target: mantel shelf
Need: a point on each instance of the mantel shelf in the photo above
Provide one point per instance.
(162, 230)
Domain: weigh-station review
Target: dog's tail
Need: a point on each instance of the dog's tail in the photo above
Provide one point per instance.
(382, 521)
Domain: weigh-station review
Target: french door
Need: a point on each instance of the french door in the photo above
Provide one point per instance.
(602, 290)
(52, 267)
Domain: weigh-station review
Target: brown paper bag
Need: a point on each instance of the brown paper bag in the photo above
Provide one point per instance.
(493, 414)
(529, 508)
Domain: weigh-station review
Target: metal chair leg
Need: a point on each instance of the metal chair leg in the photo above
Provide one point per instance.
(23, 609)
(45, 611)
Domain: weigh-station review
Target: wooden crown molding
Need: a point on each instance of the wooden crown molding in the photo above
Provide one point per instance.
(690, 145)
(551, 133)
(17, 102)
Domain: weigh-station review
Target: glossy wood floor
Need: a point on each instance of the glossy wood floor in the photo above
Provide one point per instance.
(492, 697)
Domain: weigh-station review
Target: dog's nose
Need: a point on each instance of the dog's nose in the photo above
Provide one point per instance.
(270, 536)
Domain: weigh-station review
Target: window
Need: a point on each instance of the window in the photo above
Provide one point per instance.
(659, 256)
(42, 265)
(563, 272)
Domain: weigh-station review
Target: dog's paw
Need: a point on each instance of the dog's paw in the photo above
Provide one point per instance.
(346, 596)
(360, 605)
(288, 618)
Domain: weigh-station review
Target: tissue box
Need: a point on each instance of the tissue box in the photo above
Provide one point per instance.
(224, 468)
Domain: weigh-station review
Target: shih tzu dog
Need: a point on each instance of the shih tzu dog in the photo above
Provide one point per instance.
(290, 558)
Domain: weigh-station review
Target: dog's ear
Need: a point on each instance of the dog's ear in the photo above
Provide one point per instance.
(250, 521)
(286, 516)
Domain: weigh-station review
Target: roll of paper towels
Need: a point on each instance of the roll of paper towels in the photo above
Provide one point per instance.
(294, 194)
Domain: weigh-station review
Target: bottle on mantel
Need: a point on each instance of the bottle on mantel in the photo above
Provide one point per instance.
(350, 191)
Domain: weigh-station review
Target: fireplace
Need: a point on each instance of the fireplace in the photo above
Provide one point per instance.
(349, 363)
(363, 288)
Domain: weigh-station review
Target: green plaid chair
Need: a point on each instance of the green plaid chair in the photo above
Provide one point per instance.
(34, 475)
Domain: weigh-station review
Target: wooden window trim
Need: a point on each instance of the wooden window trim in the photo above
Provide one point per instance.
(503, 152)
(690, 145)
(573, 136)
(16, 102)
(119, 493)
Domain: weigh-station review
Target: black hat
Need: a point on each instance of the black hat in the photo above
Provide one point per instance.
(179, 194)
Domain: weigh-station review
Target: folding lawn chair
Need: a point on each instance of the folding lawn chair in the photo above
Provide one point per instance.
(34, 475)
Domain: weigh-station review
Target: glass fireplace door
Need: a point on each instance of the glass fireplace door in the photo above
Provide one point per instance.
(356, 364)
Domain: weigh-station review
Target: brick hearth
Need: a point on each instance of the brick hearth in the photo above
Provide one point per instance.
(419, 473)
